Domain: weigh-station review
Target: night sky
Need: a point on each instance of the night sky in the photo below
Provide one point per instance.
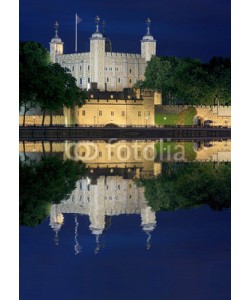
(195, 28)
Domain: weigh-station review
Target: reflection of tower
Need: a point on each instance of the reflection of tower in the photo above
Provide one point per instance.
(97, 248)
(107, 222)
(78, 248)
(56, 221)
(101, 199)
(97, 213)
(148, 223)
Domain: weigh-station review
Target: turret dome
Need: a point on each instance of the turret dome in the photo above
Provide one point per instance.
(148, 227)
(97, 35)
(148, 37)
(56, 40)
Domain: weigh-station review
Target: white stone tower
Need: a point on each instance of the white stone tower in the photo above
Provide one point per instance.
(56, 45)
(97, 57)
(148, 44)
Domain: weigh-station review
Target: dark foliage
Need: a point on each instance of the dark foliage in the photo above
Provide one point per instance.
(183, 185)
(189, 81)
(45, 182)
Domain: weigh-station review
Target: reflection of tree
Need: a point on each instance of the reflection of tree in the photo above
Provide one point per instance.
(187, 185)
(43, 183)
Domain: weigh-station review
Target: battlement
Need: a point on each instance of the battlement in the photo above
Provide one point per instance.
(128, 55)
(211, 107)
(73, 56)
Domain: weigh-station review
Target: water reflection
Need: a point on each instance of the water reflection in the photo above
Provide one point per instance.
(100, 199)
(129, 153)
(121, 178)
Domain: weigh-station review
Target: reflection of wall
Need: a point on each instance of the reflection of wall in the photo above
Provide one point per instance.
(39, 146)
(110, 196)
(137, 156)
(214, 151)
(121, 154)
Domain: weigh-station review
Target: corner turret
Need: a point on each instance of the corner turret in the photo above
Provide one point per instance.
(56, 45)
(148, 44)
(97, 57)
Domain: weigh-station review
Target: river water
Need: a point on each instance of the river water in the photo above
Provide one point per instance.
(144, 220)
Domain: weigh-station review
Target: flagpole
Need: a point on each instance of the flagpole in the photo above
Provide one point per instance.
(76, 35)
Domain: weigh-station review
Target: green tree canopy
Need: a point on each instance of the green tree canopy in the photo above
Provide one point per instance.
(33, 57)
(43, 183)
(189, 81)
(57, 89)
(43, 84)
(184, 185)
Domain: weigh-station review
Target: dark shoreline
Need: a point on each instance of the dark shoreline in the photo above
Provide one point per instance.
(35, 133)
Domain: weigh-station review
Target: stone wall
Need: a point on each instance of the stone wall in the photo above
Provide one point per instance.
(121, 70)
(220, 115)
(37, 120)
(102, 112)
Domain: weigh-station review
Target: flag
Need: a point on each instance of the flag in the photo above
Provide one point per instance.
(78, 20)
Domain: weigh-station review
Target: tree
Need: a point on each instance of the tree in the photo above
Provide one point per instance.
(183, 185)
(219, 69)
(33, 57)
(43, 183)
(43, 84)
(57, 89)
(188, 80)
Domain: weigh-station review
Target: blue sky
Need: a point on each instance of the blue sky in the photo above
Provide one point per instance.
(195, 28)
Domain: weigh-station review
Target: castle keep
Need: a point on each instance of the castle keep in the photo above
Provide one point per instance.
(102, 68)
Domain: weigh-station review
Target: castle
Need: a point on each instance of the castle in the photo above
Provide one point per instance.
(108, 79)
(101, 68)
(107, 196)
(109, 187)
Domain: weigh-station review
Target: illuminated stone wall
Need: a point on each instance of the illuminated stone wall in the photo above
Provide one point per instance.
(102, 112)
